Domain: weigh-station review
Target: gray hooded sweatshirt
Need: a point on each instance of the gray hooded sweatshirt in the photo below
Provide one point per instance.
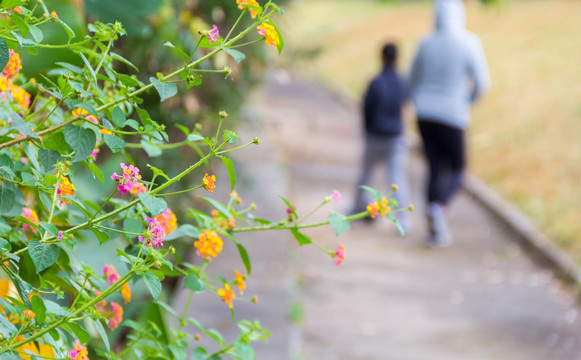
(449, 70)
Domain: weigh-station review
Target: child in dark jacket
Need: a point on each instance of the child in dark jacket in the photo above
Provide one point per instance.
(384, 138)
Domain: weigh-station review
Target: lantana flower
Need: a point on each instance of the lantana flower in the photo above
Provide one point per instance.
(378, 207)
(227, 295)
(65, 187)
(28, 314)
(222, 221)
(79, 352)
(116, 316)
(31, 215)
(129, 180)
(168, 220)
(111, 274)
(13, 67)
(213, 34)
(154, 234)
(126, 292)
(209, 244)
(339, 254)
(86, 115)
(239, 281)
(269, 33)
(209, 182)
(242, 3)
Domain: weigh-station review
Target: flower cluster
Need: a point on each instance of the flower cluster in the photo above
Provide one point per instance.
(10, 71)
(65, 187)
(213, 34)
(129, 181)
(227, 295)
(86, 115)
(243, 3)
(378, 207)
(154, 234)
(239, 281)
(79, 352)
(222, 221)
(111, 274)
(31, 215)
(168, 220)
(339, 254)
(209, 244)
(209, 182)
(269, 33)
(113, 313)
(28, 314)
(13, 67)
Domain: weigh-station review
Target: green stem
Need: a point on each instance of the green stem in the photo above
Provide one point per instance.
(49, 114)
(245, 44)
(182, 191)
(298, 226)
(80, 291)
(235, 24)
(312, 211)
(234, 149)
(103, 204)
(119, 231)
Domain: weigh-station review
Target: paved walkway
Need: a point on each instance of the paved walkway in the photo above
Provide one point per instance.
(392, 299)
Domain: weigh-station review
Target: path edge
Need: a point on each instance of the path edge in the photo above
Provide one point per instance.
(541, 248)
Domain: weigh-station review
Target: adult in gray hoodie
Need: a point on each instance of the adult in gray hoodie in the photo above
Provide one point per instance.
(449, 72)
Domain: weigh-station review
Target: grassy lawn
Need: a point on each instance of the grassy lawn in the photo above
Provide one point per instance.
(525, 141)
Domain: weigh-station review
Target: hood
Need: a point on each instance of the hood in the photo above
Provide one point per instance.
(450, 15)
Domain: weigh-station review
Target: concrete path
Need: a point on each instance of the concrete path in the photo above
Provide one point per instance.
(481, 299)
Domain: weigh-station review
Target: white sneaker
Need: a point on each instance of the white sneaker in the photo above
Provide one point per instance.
(439, 234)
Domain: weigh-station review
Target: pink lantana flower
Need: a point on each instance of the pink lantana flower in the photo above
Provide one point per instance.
(339, 254)
(336, 196)
(154, 234)
(111, 274)
(128, 180)
(214, 34)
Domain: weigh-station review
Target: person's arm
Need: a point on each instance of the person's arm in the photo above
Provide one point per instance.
(479, 71)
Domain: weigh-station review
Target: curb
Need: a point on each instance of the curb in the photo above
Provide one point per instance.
(541, 248)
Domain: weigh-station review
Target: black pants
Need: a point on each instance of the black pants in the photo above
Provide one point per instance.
(445, 150)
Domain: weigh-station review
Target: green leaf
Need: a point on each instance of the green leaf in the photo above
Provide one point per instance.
(165, 90)
(52, 230)
(103, 334)
(244, 257)
(49, 158)
(153, 284)
(230, 136)
(43, 255)
(19, 124)
(36, 33)
(56, 309)
(55, 142)
(195, 137)
(192, 282)
(21, 218)
(217, 206)
(5, 245)
(94, 169)
(301, 238)
(214, 334)
(7, 198)
(78, 332)
(339, 224)
(118, 117)
(376, 194)
(81, 140)
(38, 308)
(244, 351)
(231, 173)
(397, 224)
(199, 353)
(236, 55)
(133, 225)
(7, 329)
(115, 143)
(280, 45)
(178, 51)
(153, 204)
(4, 54)
(102, 236)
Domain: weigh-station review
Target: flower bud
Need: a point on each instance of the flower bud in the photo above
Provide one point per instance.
(197, 336)
(394, 187)
(256, 140)
(255, 299)
(411, 207)
(253, 206)
(223, 114)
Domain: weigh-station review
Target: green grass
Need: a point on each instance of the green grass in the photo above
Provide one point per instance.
(525, 138)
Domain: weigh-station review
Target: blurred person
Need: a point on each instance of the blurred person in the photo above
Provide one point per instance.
(384, 139)
(448, 73)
